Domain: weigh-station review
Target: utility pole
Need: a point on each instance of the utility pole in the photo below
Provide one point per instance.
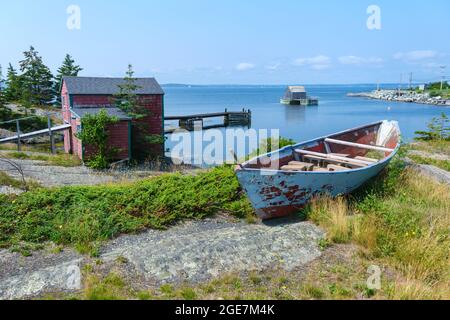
(410, 80)
(443, 76)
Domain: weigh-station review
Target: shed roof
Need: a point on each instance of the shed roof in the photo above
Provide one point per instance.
(296, 89)
(97, 85)
(81, 111)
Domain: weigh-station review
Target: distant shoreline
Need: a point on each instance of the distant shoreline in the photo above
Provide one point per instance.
(402, 96)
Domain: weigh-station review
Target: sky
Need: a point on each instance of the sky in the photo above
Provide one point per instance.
(235, 41)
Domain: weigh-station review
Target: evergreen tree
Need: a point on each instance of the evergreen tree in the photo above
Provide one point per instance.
(3, 109)
(37, 85)
(13, 85)
(127, 100)
(67, 69)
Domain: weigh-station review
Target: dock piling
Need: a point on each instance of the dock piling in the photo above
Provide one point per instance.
(196, 122)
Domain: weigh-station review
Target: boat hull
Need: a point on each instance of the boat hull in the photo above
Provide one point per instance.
(277, 192)
(284, 193)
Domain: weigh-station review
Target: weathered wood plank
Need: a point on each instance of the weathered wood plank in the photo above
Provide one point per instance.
(358, 145)
(332, 157)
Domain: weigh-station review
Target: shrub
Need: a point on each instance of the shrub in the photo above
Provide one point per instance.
(80, 216)
(95, 133)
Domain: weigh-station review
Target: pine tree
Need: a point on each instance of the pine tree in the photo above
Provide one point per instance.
(37, 80)
(3, 109)
(67, 69)
(13, 85)
(127, 100)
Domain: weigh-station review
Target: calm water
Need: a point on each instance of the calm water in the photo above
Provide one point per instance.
(336, 111)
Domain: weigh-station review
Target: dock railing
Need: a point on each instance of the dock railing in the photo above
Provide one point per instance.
(50, 130)
(196, 121)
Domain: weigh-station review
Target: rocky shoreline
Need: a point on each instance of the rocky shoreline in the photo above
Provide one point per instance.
(402, 96)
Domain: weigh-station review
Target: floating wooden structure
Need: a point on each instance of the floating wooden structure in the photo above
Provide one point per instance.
(296, 95)
(196, 121)
(282, 182)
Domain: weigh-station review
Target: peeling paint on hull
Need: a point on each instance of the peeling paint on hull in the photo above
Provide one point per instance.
(277, 193)
(286, 193)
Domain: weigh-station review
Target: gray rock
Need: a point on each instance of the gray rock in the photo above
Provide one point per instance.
(10, 190)
(434, 173)
(193, 252)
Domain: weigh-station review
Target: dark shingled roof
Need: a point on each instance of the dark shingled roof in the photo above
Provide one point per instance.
(81, 111)
(93, 85)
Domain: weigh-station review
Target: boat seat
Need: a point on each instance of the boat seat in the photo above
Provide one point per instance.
(340, 154)
(307, 166)
(334, 167)
(366, 159)
(319, 169)
(334, 161)
(293, 168)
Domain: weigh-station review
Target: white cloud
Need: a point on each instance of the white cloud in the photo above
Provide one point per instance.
(319, 62)
(354, 60)
(416, 55)
(243, 66)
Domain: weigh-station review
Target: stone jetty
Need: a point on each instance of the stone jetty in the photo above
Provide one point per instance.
(402, 96)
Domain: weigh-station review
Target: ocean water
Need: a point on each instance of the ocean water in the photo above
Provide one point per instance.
(335, 112)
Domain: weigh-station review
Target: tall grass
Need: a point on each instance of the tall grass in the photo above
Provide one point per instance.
(402, 219)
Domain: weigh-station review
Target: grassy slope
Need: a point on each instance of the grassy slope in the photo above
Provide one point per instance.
(62, 160)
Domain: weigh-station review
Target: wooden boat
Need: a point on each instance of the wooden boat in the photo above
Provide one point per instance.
(283, 181)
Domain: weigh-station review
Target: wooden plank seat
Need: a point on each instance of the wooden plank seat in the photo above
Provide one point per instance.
(307, 165)
(359, 145)
(340, 154)
(319, 169)
(366, 159)
(334, 167)
(333, 161)
(329, 157)
(293, 168)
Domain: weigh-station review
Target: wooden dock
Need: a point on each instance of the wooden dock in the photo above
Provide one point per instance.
(196, 121)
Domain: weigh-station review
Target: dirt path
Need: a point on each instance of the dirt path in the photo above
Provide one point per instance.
(193, 252)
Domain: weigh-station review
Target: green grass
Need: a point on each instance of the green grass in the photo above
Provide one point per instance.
(6, 180)
(445, 93)
(401, 219)
(62, 160)
(443, 164)
(82, 216)
(435, 146)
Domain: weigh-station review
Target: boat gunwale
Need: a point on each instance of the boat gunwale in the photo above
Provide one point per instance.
(293, 147)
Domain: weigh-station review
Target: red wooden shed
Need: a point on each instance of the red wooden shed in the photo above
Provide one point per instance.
(89, 95)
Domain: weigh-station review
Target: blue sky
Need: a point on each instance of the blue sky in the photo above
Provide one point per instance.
(235, 41)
